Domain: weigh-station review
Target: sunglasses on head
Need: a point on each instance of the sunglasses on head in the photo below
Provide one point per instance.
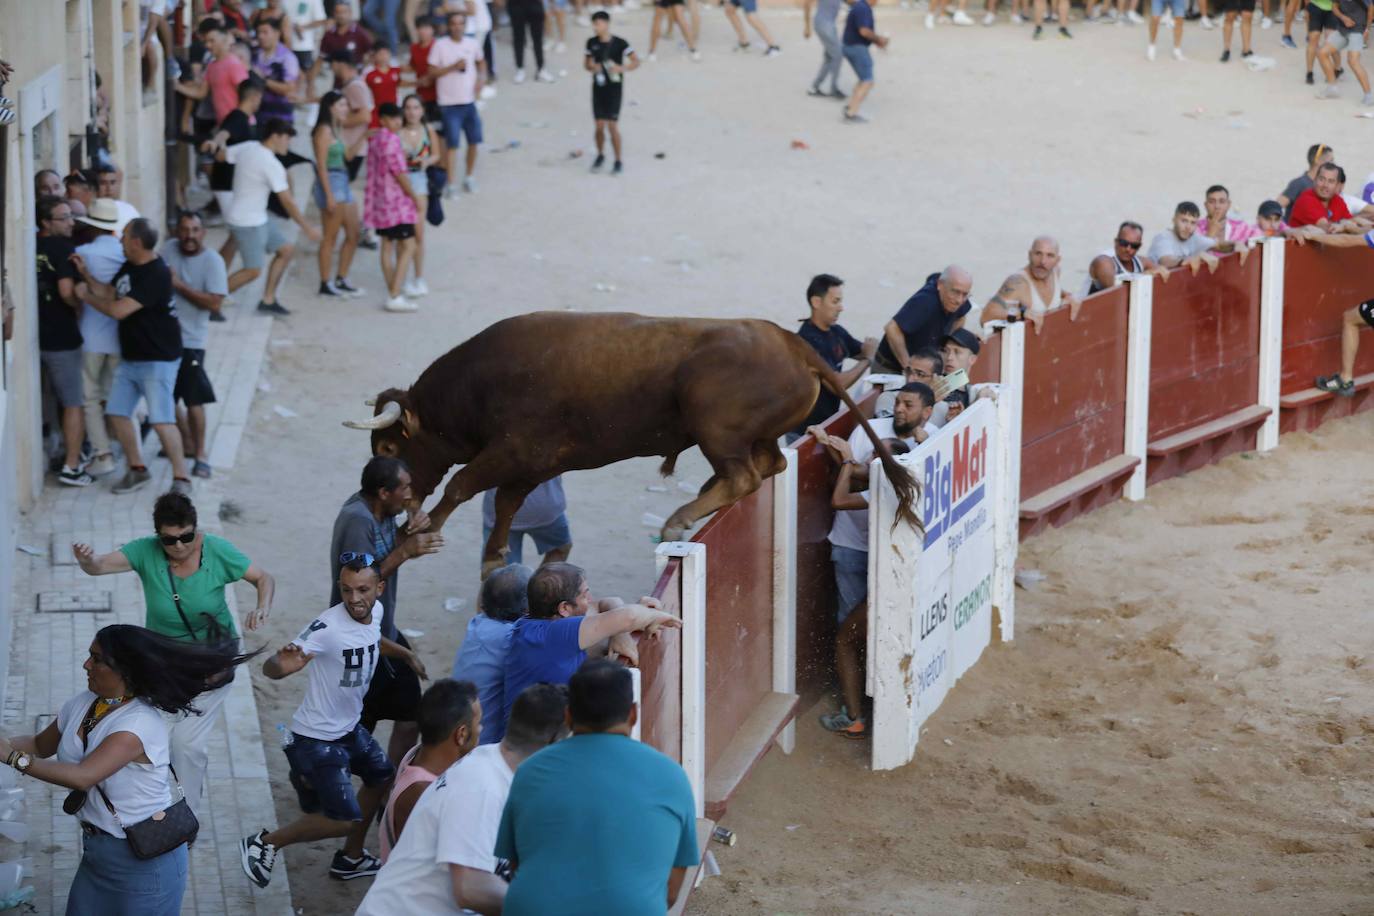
(349, 558)
(169, 539)
(1134, 246)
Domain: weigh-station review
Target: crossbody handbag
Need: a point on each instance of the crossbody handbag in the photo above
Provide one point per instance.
(164, 831)
(214, 633)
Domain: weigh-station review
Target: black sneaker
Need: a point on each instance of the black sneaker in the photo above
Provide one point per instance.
(74, 477)
(368, 241)
(1245, 54)
(257, 858)
(273, 308)
(217, 316)
(327, 289)
(598, 162)
(1310, 80)
(1335, 385)
(1039, 33)
(345, 288)
(1064, 32)
(617, 168)
(1225, 56)
(345, 869)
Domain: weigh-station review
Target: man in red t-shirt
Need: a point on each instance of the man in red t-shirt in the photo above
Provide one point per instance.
(383, 79)
(419, 65)
(1321, 205)
(224, 73)
(343, 34)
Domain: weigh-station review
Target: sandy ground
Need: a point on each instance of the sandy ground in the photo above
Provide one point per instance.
(966, 159)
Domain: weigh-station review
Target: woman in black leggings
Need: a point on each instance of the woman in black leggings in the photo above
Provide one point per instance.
(528, 14)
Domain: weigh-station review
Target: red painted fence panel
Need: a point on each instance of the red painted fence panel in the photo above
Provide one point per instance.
(660, 673)
(988, 368)
(1319, 284)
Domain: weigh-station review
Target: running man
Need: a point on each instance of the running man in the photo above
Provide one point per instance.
(858, 35)
(327, 743)
(1353, 18)
(751, 13)
(608, 58)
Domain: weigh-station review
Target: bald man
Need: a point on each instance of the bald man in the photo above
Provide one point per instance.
(924, 320)
(1032, 291)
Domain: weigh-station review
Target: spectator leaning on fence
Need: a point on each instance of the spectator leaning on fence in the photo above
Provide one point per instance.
(1123, 257)
(933, 311)
(1227, 234)
(1318, 154)
(822, 331)
(1181, 245)
(1321, 205)
(1030, 293)
(481, 657)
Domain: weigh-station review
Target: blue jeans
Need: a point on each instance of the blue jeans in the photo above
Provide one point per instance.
(112, 881)
(380, 17)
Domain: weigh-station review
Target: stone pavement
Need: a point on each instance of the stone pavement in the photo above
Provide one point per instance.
(57, 609)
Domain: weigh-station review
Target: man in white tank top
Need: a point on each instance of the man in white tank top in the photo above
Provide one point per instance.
(1032, 291)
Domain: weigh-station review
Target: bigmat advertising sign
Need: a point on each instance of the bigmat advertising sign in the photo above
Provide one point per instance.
(931, 591)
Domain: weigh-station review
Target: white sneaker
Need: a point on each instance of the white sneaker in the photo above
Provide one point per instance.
(488, 91)
(1136, 18)
(544, 76)
(989, 18)
(1266, 23)
(548, 45)
(1018, 19)
(696, 55)
(1206, 22)
(930, 20)
(962, 18)
(470, 185)
(560, 48)
(1178, 54)
(416, 288)
(584, 20)
(400, 304)
(519, 77)
(653, 58)
(1150, 53)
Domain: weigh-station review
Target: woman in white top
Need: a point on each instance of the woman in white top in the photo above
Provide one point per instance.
(112, 737)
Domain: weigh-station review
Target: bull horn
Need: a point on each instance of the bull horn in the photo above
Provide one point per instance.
(391, 412)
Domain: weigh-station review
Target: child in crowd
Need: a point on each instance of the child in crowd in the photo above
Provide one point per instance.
(391, 205)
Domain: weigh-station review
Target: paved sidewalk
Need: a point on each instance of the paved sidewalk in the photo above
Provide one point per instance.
(50, 646)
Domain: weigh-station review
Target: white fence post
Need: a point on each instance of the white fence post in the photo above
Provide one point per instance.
(1007, 517)
(639, 702)
(785, 588)
(1271, 339)
(1140, 308)
(693, 582)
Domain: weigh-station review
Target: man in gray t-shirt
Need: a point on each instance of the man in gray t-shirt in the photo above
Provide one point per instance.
(1181, 244)
(199, 284)
(543, 516)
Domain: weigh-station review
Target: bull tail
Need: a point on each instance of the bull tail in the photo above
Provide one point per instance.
(903, 483)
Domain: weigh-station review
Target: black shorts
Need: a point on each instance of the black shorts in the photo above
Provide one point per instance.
(398, 233)
(606, 102)
(1366, 310)
(193, 386)
(354, 166)
(394, 693)
(1319, 19)
(305, 59)
(432, 114)
(667, 4)
(1235, 6)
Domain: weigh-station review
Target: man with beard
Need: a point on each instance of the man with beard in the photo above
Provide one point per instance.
(1035, 289)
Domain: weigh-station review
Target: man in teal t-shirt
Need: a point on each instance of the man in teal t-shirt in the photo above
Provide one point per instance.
(598, 823)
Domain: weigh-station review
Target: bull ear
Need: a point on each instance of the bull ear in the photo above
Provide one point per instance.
(410, 423)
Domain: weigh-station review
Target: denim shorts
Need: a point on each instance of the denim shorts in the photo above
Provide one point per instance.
(555, 534)
(1179, 8)
(419, 183)
(153, 381)
(749, 6)
(322, 771)
(464, 119)
(338, 186)
(861, 59)
(256, 241)
(851, 578)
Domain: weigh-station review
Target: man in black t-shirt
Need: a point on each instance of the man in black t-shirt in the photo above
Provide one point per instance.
(825, 295)
(933, 311)
(140, 298)
(608, 58)
(59, 331)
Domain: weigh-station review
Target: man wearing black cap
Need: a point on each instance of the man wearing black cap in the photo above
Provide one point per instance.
(258, 174)
(933, 311)
(960, 350)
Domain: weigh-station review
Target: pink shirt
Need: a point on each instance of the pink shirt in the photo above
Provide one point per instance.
(1237, 230)
(458, 87)
(407, 775)
(384, 203)
(224, 76)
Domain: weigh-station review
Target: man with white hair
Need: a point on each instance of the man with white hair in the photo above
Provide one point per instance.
(1035, 289)
(938, 307)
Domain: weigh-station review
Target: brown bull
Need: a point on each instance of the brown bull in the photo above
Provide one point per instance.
(536, 395)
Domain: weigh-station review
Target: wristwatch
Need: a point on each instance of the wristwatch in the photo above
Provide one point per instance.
(20, 761)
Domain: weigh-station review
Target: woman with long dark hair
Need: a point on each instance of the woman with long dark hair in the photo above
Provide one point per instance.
(112, 749)
(423, 148)
(333, 196)
(184, 572)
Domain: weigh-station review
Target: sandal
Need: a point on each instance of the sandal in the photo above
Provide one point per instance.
(1333, 384)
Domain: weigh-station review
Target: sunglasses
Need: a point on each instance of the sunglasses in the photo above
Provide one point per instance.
(349, 558)
(169, 539)
(1134, 246)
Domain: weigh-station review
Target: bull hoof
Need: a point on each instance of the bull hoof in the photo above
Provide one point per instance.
(674, 534)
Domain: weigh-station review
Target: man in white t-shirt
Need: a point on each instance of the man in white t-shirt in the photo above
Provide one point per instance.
(327, 743)
(458, 68)
(849, 544)
(258, 174)
(444, 861)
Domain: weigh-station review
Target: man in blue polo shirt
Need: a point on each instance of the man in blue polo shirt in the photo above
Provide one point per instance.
(825, 294)
(598, 824)
(565, 624)
(924, 320)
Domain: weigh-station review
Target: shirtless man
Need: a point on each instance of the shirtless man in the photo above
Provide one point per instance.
(1032, 291)
(1124, 257)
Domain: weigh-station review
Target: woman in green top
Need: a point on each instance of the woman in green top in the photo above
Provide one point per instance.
(184, 572)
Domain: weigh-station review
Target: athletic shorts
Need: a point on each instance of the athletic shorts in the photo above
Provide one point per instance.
(322, 771)
(338, 187)
(1319, 19)
(861, 59)
(1235, 6)
(1366, 310)
(153, 381)
(193, 386)
(256, 241)
(398, 233)
(1179, 8)
(64, 375)
(305, 59)
(851, 578)
(1343, 40)
(667, 4)
(749, 6)
(556, 533)
(606, 102)
(461, 119)
(395, 691)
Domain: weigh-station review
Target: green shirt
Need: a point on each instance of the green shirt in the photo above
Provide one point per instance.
(1322, 5)
(202, 593)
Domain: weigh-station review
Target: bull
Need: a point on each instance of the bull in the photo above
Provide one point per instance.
(536, 395)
